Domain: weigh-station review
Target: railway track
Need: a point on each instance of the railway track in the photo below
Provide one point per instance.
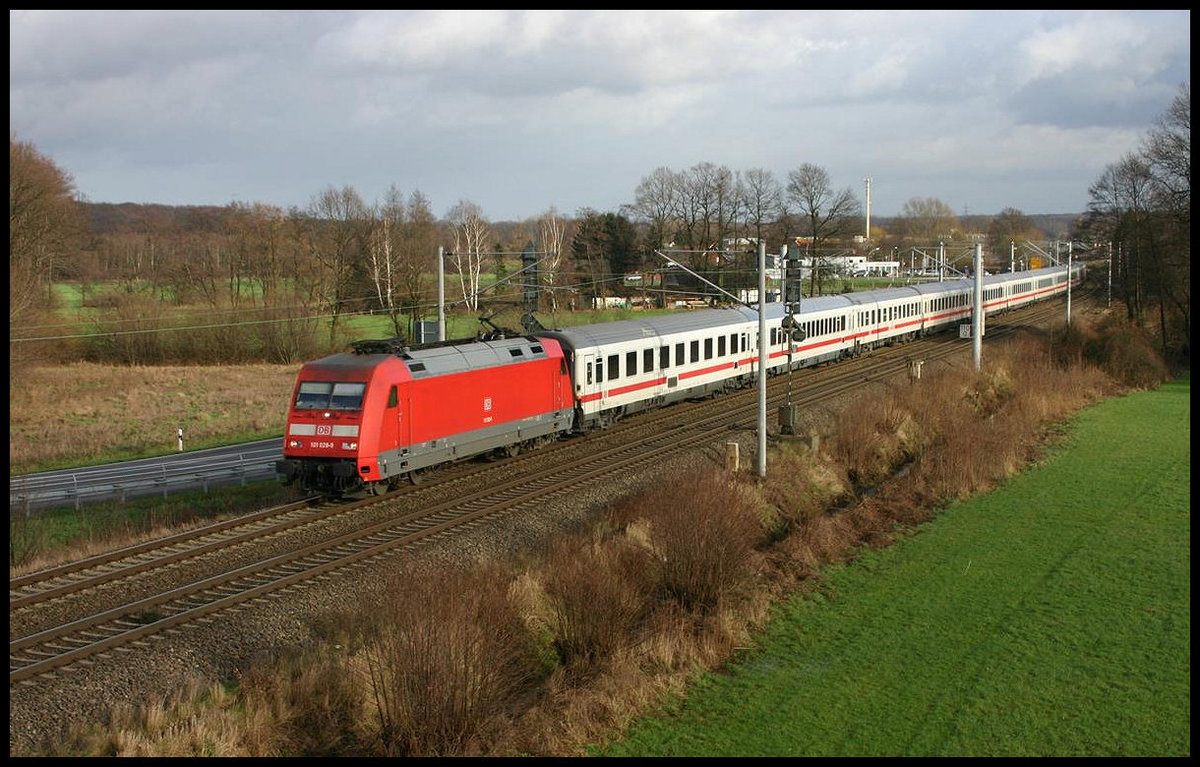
(637, 442)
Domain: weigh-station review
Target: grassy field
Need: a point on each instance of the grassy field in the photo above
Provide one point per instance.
(1050, 618)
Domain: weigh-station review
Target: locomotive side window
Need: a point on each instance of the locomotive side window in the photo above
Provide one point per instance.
(393, 398)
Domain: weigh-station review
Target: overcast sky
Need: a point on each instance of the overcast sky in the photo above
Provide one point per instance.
(519, 111)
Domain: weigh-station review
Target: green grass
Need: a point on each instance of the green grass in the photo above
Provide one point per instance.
(70, 532)
(1050, 618)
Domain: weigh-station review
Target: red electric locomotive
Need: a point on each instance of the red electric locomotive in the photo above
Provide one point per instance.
(366, 419)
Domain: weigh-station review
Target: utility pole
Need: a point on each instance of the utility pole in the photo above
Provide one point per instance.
(868, 183)
(762, 344)
(762, 360)
(977, 325)
(441, 272)
(1069, 284)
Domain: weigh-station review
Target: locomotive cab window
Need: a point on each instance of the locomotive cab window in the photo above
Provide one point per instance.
(315, 395)
(347, 396)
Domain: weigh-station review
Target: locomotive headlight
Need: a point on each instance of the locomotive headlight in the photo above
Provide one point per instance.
(295, 443)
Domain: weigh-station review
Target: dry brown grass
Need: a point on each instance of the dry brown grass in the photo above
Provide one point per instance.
(84, 413)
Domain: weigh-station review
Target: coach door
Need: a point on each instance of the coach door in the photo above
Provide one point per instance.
(592, 374)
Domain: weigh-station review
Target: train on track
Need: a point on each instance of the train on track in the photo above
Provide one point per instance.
(364, 420)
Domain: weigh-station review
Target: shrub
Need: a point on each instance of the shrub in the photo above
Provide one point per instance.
(704, 529)
(448, 655)
(595, 600)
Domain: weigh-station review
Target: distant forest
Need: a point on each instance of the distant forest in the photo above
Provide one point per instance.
(116, 218)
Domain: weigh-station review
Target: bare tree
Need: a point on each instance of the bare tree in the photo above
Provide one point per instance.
(337, 237)
(928, 220)
(1168, 150)
(824, 213)
(551, 231)
(1120, 207)
(762, 200)
(44, 228)
(710, 188)
(656, 201)
(418, 253)
(383, 253)
(1009, 227)
(471, 235)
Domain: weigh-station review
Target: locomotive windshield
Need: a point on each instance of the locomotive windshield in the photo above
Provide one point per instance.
(316, 395)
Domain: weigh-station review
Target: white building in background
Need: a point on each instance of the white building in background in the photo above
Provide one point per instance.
(853, 266)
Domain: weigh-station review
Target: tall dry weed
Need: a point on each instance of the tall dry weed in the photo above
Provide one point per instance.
(312, 699)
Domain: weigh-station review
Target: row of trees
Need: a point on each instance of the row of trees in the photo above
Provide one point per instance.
(1141, 204)
(271, 272)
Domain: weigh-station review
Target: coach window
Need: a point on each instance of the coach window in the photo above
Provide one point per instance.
(664, 357)
(733, 343)
(631, 363)
(721, 346)
(695, 351)
(708, 348)
(613, 361)
(679, 358)
(647, 360)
